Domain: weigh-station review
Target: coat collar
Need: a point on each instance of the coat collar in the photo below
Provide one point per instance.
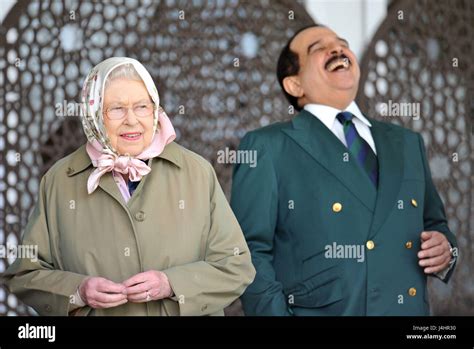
(80, 160)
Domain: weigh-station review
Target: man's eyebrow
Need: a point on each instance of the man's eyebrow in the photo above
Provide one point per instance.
(313, 44)
(343, 40)
(318, 41)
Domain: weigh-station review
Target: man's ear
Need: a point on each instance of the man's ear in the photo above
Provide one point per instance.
(292, 86)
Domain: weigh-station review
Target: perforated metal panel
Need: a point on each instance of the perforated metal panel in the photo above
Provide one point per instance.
(422, 53)
(213, 62)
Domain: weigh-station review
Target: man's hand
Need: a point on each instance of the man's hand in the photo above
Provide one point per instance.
(100, 293)
(435, 252)
(147, 286)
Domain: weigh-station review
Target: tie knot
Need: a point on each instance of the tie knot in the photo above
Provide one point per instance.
(344, 117)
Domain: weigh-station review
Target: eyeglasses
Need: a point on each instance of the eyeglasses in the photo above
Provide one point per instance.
(142, 110)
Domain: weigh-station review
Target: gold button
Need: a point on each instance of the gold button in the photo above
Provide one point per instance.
(409, 244)
(412, 291)
(337, 207)
(370, 245)
(414, 203)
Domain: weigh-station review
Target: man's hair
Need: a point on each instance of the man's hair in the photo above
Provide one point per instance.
(289, 65)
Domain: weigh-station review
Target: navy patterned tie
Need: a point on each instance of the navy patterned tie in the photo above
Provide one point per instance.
(359, 148)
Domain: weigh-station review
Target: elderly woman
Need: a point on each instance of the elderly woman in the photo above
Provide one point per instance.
(131, 223)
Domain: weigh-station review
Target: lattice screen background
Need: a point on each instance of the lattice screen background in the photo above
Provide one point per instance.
(193, 62)
(45, 55)
(411, 60)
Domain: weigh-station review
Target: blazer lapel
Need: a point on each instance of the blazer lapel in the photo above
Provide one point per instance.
(389, 144)
(325, 148)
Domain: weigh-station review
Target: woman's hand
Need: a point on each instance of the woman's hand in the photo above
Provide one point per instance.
(147, 286)
(100, 293)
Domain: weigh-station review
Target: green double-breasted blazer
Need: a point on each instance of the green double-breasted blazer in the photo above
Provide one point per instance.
(303, 197)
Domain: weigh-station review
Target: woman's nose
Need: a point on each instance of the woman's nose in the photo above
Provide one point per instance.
(131, 118)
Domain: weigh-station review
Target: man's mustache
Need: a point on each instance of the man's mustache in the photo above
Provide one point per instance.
(335, 57)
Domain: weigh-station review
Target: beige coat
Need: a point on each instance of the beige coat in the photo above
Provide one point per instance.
(178, 221)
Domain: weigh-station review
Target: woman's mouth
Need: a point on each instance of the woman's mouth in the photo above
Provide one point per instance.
(131, 136)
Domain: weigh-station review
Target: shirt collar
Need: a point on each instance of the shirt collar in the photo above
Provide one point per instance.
(327, 114)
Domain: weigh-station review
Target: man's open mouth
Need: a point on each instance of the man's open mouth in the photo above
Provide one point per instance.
(337, 63)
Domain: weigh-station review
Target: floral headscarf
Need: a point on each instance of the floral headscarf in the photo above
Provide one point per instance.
(104, 157)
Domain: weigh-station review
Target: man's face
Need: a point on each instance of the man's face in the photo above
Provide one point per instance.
(329, 73)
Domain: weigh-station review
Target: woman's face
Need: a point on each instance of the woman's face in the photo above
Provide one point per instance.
(132, 133)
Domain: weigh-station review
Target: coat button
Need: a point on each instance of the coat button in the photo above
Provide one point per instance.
(204, 307)
(412, 291)
(48, 308)
(409, 244)
(370, 245)
(337, 207)
(140, 216)
(414, 203)
(69, 171)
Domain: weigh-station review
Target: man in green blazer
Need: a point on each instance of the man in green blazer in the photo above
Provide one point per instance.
(339, 211)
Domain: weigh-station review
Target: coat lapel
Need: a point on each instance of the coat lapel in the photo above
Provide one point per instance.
(80, 161)
(389, 144)
(140, 185)
(325, 148)
(107, 184)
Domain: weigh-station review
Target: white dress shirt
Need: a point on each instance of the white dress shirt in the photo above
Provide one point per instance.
(327, 115)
